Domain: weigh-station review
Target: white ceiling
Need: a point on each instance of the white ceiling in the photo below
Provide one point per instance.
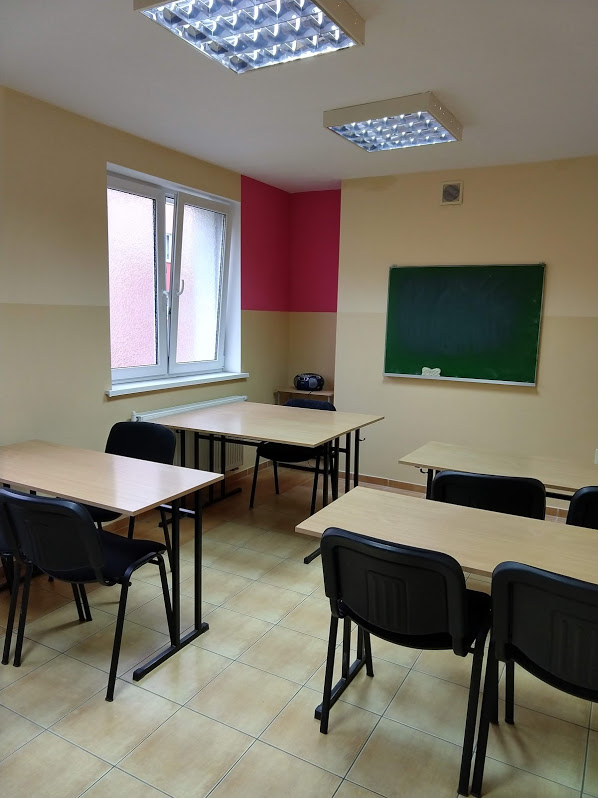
(520, 75)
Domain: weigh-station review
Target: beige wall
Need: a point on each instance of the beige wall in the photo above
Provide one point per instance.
(312, 338)
(54, 323)
(514, 214)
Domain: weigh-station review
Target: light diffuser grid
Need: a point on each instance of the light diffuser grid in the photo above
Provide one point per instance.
(248, 34)
(395, 132)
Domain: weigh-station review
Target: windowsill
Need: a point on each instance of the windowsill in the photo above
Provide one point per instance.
(147, 386)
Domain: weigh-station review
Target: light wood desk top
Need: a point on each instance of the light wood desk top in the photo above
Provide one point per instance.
(122, 484)
(276, 423)
(478, 539)
(554, 473)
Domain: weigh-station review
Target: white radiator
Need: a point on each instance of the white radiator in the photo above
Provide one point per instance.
(234, 451)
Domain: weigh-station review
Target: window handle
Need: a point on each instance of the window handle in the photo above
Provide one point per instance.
(181, 289)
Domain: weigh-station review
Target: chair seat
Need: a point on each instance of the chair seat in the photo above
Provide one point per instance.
(119, 552)
(284, 453)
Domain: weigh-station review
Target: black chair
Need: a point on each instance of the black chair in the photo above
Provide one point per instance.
(59, 537)
(409, 596)
(286, 453)
(547, 624)
(143, 441)
(512, 495)
(583, 509)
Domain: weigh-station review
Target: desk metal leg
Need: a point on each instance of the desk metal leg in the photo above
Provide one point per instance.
(326, 472)
(335, 468)
(199, 626)
(429, 480)
(347, 462)
(356, 460)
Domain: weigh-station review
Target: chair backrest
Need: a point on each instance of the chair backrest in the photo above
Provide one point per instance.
(392, 590)
(310, 404)
(548, 623)
(583, 509)
(512, 495)
(55, 534)
(142, 440)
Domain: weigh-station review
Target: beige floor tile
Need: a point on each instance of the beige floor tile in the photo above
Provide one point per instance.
(138, 642)
(245, 698)
(151, 574)
(181, 676)
(231, 633)
(349, 790)
(431, 705)
(49, 767)
(33, 655)
(504, 781)
(265, 771)
(187, 755)
(536, 694)
(139, 593)
(382, 649)
(295, 576)
(62, 629)
(112, 729)
(47, 694)
(446, 665)
(217, 586)
(590, 784)
(233, 533)
(288, 654)
(116, 782)
(540, 744)
(15, 731)
(373, 693)
(399, 762)
(153, 614)
(312, 617)
(247, 563)
(58, 588)
(280, 544)
(211, 550)
(41, 602)
(263, 601)
(297, 732)
(265, 517)
(594, 717)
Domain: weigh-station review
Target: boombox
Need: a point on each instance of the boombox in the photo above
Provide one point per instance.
(308, 382)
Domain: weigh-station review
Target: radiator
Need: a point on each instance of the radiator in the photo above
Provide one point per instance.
(234, 451)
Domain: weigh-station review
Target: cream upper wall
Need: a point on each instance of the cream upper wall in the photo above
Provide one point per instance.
(516, 214)
(54, 319)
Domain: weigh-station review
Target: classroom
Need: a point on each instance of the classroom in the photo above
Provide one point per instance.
(91, 92)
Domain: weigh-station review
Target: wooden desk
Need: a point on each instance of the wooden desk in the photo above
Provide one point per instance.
(121, 484)
(251, 423)
(478, 539)
(556, 474)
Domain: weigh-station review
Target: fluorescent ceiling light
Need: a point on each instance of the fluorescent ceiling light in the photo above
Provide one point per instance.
(395, 124)
(248, 34)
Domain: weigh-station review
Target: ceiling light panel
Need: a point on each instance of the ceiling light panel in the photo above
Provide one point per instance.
(248, 34)
(399, 123)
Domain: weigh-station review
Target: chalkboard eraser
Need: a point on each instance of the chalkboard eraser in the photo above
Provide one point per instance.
(428, 372)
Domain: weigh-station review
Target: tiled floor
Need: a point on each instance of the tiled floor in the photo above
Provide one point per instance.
(231, 716)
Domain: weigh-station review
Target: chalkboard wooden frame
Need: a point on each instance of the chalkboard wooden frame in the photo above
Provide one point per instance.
(465, 323)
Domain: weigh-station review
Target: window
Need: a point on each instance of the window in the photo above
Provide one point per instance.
(169, 254)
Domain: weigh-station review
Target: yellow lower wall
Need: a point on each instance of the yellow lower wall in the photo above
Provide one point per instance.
(312, 338)
(516, 214)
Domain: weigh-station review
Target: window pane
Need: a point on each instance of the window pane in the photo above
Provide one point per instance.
(202, 249)
(132, 268)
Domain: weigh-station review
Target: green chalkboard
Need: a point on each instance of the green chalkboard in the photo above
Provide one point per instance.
(474, 323)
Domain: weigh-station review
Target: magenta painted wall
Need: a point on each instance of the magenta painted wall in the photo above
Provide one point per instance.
(315, 232)
(289, 248)
(265, 243)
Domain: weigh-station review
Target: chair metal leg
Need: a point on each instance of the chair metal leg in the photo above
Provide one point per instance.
(8, 565)
(118, 633)
(275, 469)
(131, 526)
(510, 692)
(164, 525)
(472, 711)
(23, 614)
(254, 482)
(166, 594)
(488, 711)
(12, 610)
(328, 677)
(369, 665)
(79, 605)
(85, 603)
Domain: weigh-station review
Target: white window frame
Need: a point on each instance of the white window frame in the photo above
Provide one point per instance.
(167, 373)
